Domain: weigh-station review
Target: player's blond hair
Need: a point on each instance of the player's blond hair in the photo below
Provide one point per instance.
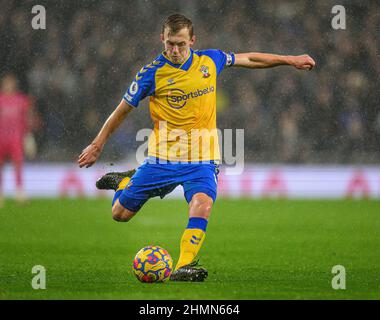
(176, 22)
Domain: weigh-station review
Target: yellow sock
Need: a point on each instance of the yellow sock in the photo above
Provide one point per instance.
(191, 242)
(123, 183)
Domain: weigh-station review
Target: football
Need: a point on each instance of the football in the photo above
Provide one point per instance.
(152, 264)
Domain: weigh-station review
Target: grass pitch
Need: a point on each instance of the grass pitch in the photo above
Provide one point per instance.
(272, 249)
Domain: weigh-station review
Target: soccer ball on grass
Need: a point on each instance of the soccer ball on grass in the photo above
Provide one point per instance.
(152, 264)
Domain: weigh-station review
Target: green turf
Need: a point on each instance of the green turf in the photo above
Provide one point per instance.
(273, 249)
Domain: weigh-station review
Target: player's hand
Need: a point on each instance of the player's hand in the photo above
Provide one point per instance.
(89, 155)
(303, 62)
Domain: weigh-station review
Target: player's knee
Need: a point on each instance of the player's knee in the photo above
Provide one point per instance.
(201, 205)
(120, 214)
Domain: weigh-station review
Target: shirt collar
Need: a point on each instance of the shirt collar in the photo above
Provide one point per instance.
(185, 65)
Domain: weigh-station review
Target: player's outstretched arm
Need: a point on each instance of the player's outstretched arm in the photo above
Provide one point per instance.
(90, 154)
(256, 60)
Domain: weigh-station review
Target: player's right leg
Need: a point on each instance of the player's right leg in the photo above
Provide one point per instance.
(112, 180)
(133, 189)
(120, 213)
(117, 181)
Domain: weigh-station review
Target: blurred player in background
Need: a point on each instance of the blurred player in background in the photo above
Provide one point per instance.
(181, 84)
(15, 109)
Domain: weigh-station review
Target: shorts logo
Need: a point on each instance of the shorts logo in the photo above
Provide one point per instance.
(177, 98)
(204, 70)
(133, 88)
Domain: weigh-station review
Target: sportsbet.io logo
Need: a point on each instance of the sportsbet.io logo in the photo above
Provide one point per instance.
(177, 98)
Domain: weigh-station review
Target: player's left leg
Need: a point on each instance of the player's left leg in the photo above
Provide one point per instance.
(195, 232)
(200, 192)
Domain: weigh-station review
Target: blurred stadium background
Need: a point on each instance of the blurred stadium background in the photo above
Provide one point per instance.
(79, 67)
(307, 135)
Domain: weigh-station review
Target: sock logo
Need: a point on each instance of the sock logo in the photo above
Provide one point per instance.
(195, 240)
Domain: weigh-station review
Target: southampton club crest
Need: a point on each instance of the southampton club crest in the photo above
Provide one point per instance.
(204, 70)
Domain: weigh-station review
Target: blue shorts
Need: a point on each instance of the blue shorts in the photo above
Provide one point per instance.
(154, 179)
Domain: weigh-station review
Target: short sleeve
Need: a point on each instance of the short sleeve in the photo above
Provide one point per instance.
(142, 86)
(220, 58)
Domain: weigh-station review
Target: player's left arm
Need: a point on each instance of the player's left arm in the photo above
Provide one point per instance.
(256, 60)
